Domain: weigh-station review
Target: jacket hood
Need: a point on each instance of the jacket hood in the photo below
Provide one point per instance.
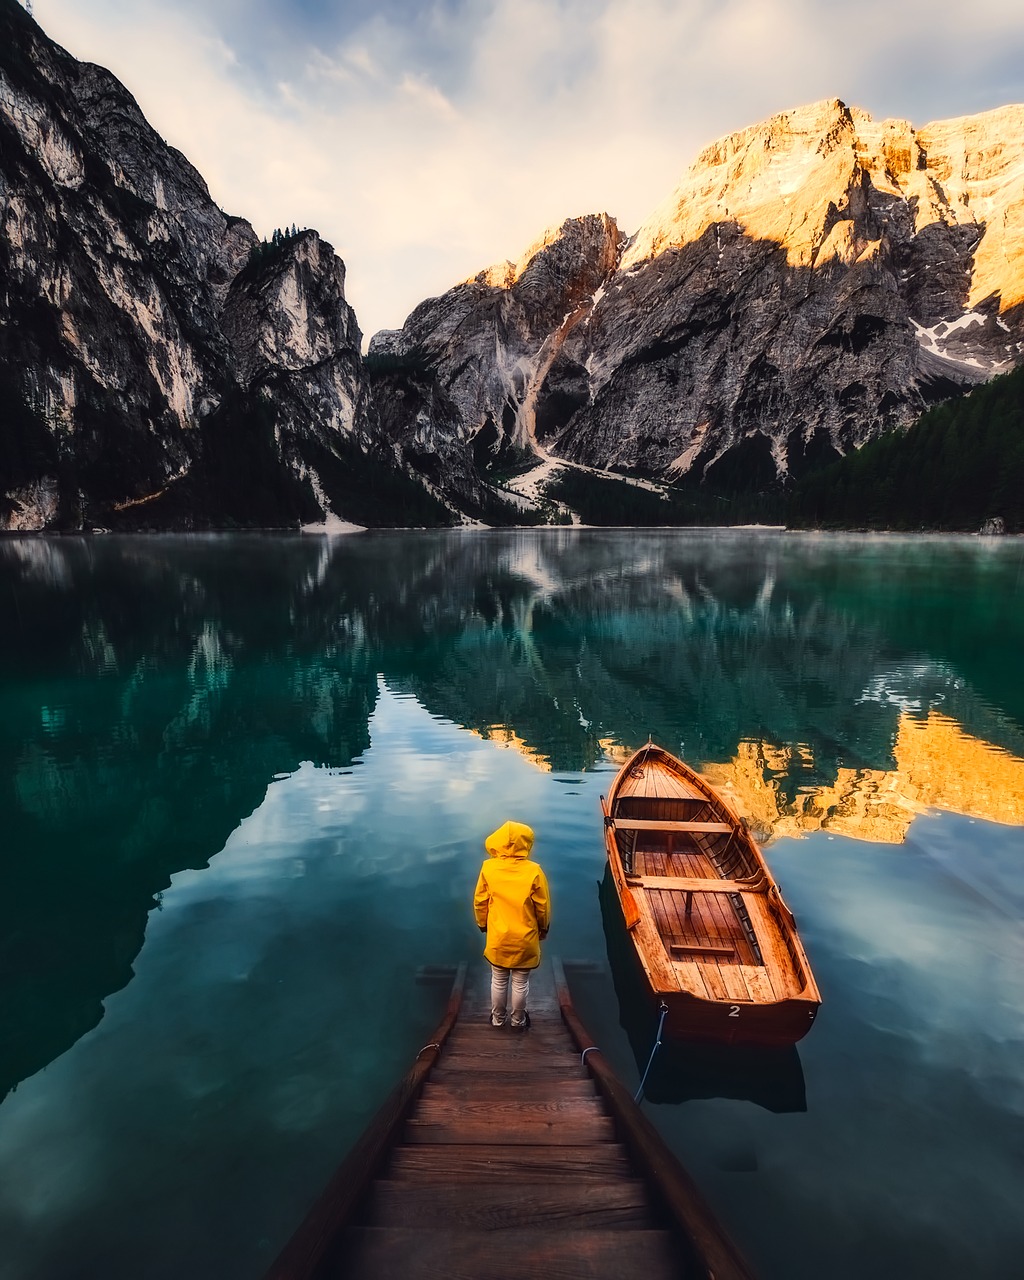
(511, 840)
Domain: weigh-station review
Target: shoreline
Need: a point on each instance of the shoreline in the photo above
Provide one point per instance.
(347, 530)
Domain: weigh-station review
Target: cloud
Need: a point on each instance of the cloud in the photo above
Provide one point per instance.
(426, 141)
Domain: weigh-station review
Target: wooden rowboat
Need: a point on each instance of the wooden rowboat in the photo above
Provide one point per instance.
(715, 941)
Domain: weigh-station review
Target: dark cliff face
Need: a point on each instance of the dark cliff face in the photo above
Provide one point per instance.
(488, 343)
(719, 361)
(159, 366)
(111, 256)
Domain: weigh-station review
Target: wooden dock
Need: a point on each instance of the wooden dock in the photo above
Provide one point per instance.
(502, 1155)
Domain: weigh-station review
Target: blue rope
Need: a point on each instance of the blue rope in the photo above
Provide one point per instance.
(657, 1046)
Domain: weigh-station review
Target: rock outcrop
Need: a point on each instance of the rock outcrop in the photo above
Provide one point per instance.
(160, 366)
(813, 282)
(488, 346)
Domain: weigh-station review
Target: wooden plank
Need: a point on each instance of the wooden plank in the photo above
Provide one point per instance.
(726, 925)
(778, 964)
(690, 976)
(519, 1061)
(693, 927)
(713, 927)
(680, 862)
(479, 1064)
(618, 1204)
(458, 1074)
(544, 1111)
(481, 1029)
(757, 983)
(507, 1044)
(662, 921)
(651, 779)
(510, 1044)
(696, 948)
(376, 1254)
(672, 782)
(510, 1051)
(478, 1163)
(483, 1033)
(666, 824)
(501, 1128)
(712, 976)
(477, 1020)
(686, 884)
(672, 920)
(651, 948)
(732, 980)
(526, 1089)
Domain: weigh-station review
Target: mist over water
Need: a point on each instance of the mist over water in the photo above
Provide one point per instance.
(246, 782)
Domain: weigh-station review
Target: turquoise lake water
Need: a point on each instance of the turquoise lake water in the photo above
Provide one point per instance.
(246, 781)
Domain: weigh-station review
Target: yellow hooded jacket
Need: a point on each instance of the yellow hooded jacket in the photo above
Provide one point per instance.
(512, 899)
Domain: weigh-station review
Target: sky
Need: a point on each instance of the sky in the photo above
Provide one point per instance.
(426, 141)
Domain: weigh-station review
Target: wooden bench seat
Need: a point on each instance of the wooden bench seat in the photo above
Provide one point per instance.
(657, 824)
(688, 884)
(700, 948)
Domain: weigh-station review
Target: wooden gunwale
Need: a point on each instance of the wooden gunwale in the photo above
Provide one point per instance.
(318, 1232)
(712, 1253)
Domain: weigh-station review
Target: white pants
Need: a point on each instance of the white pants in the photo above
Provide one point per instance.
(499, 994)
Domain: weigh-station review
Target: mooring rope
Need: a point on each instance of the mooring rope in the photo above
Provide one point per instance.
(432, 1045)
(591, 1048)
(657, 1046)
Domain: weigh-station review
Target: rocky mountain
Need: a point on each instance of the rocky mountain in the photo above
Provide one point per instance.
(813, 282)
(490, 343)
(159, 365)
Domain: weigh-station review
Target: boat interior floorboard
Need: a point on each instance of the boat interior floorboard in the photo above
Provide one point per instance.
(713, 921)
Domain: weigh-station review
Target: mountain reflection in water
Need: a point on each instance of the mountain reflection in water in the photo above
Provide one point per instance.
(154, 688)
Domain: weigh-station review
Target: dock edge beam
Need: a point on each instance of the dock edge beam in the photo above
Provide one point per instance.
(705, 1239)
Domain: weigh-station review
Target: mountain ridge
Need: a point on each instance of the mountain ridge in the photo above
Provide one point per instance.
(809, 285)
(813, 282)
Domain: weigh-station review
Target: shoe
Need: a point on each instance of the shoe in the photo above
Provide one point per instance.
(521, 1026)
(498, 1026)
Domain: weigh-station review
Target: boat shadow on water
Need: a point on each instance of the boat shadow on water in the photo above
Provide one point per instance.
(684, 1070)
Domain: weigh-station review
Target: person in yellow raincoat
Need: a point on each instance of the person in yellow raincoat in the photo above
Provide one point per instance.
(513, 907)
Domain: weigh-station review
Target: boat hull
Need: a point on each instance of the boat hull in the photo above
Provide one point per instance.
(775, 1025)
(687, 1067)
(670, 966)
(737, 1023)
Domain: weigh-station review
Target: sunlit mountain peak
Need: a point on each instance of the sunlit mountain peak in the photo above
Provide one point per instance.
(503, 275)
(821, 181)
